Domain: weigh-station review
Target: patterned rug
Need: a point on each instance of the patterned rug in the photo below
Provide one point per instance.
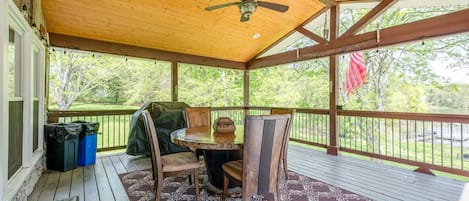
(139, 187)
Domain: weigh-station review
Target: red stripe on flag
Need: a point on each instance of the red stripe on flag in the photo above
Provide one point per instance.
(356, 73)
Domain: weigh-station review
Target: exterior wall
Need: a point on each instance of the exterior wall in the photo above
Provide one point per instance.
(30, 181)
(33, 40)
(34, 17)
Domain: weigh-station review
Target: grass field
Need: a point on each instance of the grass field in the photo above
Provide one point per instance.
(88, 106)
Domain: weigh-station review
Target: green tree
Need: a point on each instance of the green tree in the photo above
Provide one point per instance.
(74, 73)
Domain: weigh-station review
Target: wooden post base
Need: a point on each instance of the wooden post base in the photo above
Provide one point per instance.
(333, 150)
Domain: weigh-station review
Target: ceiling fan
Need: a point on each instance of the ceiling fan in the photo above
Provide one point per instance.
(247, 7)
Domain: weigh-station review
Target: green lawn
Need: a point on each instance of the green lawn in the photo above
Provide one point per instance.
(89, 106)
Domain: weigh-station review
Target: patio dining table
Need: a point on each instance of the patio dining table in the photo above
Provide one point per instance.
(217, 148)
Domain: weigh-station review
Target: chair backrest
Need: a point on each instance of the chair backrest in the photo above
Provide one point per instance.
(261, 157)
(274, 111)
(198, 117)
(154, 147)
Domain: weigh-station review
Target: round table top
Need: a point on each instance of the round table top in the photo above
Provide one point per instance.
(205, 138)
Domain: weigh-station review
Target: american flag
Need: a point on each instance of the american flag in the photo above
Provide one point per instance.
(356, 73)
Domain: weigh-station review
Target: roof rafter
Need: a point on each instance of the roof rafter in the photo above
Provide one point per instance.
(442, 25)
(311, 35)
(369, 17)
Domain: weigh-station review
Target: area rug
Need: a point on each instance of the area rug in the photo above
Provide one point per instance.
(139, 187)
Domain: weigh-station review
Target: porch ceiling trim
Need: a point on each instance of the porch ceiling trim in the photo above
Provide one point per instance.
(447, 24)
(73, 42)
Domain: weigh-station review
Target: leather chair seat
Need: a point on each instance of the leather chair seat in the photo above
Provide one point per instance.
(234, 169)
(179, 161)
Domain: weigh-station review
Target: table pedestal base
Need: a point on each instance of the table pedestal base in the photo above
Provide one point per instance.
(214, 159)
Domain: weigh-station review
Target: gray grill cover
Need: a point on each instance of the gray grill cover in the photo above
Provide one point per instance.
(168, 117)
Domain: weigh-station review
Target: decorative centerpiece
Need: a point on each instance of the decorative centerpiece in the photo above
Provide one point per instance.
(224, 125)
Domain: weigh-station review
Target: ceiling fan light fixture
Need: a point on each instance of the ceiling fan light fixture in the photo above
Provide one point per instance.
(248, 9)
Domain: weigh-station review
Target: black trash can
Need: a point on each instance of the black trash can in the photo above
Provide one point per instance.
(62, 145)
(87, 144)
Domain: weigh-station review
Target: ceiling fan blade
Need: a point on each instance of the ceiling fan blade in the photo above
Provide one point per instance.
(244, 18)
(273, 6)
(221, 6)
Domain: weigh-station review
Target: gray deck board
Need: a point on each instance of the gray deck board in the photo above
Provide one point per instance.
(65, 183)
(34, 196)
(118, 164)
(48, 192)
(104, 189)
(89, 183)
(114, 181)
(77, 188)
(372, 179)
(375, 180)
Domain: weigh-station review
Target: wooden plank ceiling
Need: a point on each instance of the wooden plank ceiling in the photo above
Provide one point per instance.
(181, 26)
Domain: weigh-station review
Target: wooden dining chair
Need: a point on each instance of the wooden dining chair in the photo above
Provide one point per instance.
(284, 156)
(198, 117)
(258, 171)
(177, 164)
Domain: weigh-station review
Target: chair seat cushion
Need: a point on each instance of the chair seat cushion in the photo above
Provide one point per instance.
(234, 169)
(179, 161)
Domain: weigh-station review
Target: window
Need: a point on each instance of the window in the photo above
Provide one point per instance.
(15, 140)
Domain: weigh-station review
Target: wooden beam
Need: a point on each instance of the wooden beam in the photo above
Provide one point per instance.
(174, 81)
(333, 148)
(307, 21)
(369, 17)
(311, 35)
(452, 23)
(246, 88)
(73, 42)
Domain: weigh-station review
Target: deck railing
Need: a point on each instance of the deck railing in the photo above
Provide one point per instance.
(114, 125)
(436, 141)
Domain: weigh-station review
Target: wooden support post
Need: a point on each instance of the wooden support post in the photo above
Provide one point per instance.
(246, 91)
(332, 149)
(174, 81)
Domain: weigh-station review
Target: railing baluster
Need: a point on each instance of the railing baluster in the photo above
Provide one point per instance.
(392, 138)
(424, 145)
(400, 139)
(385, 137)
(379, 136)
(462, 148)
(355, 131)
(441, 141)
(373, 135)
(451, 140)
(433, 145)
(407, 138)
(415, 139)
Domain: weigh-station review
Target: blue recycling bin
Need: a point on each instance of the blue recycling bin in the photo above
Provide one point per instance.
(87, 144)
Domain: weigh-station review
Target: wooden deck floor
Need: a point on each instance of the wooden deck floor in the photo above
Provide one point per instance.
(374, 180)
